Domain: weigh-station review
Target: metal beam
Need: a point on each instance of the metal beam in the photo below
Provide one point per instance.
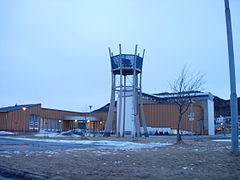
(120, 94)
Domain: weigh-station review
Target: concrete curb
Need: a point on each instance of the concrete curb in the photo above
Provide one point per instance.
(13, 173)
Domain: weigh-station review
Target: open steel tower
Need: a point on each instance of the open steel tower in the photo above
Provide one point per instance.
(127, 84)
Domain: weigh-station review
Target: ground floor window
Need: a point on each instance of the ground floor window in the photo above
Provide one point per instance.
(34, 122)
(51, 124)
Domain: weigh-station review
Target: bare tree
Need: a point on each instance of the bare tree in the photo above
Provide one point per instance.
(183, 88)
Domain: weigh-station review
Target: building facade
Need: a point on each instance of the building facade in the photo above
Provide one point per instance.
(160, 111)
(32, 118)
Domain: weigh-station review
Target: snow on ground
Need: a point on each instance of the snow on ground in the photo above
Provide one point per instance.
(223, 140)
(70, 133)
(6, 133)
(201, 149)
(116, 145)
(101, 147)
(54, 135)
(103, 152)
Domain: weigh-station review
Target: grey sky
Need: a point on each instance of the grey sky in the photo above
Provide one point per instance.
(55, 52)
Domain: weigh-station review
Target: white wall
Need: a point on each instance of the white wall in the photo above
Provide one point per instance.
(129, 120)
(211, 127)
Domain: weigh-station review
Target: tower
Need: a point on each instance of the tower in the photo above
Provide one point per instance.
(127, 85)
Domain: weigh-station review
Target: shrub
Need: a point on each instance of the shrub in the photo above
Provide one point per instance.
(166, 133)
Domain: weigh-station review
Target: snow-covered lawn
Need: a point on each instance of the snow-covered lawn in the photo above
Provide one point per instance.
(224, 140)
(71, 133)
(52, 134)
(190, 160)
(103, 144)
(98, 147)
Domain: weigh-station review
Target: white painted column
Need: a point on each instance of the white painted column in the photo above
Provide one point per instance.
(211, 126)
(129, 121)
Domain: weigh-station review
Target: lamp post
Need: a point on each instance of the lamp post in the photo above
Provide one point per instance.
(60, 125)
(24, 123)
(233, 99)
(90, 110)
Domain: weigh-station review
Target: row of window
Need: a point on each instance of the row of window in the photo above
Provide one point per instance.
(36, 123)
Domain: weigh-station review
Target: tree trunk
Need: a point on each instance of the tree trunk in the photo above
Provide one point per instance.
(179, 137)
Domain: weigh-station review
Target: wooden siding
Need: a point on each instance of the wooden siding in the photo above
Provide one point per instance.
(103, 116)
(56, 114)
(3, 121)
(18, 120)
(166, 115)
(156, 114)
(66, 125)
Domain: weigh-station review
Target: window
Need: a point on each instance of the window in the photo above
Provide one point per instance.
(34, 122)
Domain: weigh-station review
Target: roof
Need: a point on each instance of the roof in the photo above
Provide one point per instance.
(165, 97)
(192, 94)
(65, 111)
(175, 93)
(17, 107)
(195, 95)
(103, 108)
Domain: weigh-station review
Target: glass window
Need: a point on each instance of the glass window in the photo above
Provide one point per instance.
(34, 122)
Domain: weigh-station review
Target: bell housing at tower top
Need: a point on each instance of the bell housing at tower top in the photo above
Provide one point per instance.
(129, 63)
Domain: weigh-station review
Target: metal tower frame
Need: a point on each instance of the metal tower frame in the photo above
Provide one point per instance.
(124, 65)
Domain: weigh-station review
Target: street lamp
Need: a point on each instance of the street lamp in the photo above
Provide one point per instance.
(233, 96)
(90, 108)
(24, 123)
(60, 125)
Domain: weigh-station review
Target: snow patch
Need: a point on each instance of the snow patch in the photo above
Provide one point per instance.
(6, 133)
(70, 133)
(117, 162)
(54, 134)
(187, 168)
(223, 140)
(103, 152)
(102, 144)
(6, 156)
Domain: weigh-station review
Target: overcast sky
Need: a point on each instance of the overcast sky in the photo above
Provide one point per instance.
(55, 52)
